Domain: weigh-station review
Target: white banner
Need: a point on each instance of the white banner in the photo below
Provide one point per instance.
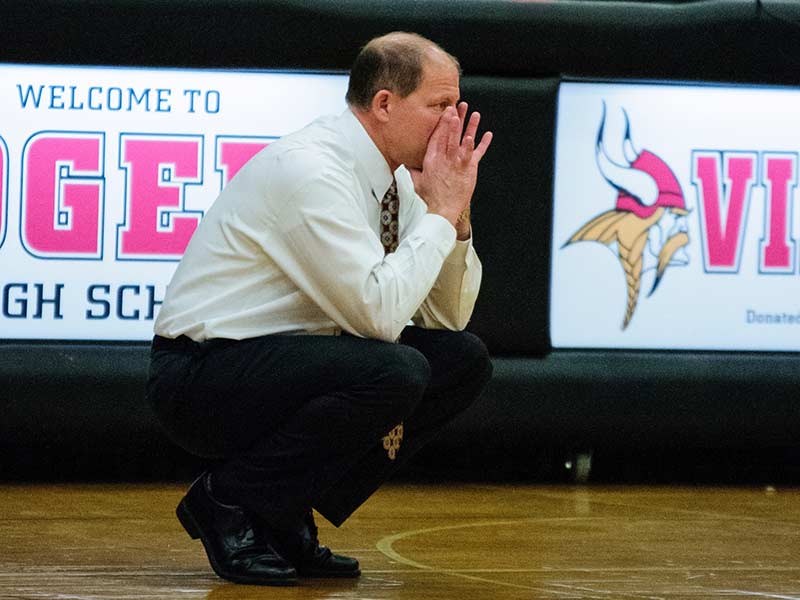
(674, 219)
(105, 174)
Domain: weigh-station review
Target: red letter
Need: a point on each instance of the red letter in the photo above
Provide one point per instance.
(777, 253)
(62, 194)
(158, 170)
(723, 204)
(3, 190)
(234, 151)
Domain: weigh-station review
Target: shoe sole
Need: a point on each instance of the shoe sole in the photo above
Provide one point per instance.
(193, 529)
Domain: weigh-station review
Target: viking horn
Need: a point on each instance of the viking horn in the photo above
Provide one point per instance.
(632, 181)
(628, 149)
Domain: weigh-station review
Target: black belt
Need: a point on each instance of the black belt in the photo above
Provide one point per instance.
(179, 344)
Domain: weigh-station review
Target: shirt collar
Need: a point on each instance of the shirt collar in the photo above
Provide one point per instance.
(368, 158)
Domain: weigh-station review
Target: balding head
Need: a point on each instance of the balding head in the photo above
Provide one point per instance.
(391, 62)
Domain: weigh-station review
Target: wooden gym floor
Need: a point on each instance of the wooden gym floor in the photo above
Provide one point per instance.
(423, 541)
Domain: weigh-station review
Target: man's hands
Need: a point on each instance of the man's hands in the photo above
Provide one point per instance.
(450, 167)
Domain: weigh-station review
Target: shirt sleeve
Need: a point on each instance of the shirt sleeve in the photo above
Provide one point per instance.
(450, 303)
(326, 246)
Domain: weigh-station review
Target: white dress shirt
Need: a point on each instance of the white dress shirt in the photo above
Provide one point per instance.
(292, 246)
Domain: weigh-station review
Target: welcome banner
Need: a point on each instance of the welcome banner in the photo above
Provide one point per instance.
(105, 174)
(675, 220)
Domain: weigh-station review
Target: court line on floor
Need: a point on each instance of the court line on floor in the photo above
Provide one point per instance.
(386, 546)
(759, 594)
(143, 572)
(687, 511)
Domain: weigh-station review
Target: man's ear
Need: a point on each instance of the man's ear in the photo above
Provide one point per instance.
(381, 105)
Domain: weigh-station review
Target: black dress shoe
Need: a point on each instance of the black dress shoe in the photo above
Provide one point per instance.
(301, 548)
(234, 550)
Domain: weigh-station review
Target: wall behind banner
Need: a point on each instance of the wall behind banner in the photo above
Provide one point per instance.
(86, 397)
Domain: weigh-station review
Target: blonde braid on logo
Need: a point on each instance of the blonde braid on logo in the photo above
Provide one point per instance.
(630, 232)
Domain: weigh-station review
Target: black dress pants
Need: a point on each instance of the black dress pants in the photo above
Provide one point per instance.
(298, 421)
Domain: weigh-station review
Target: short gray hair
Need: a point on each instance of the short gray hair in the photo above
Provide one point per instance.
(391, 62)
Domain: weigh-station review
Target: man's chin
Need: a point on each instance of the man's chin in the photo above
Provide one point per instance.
(413, 165)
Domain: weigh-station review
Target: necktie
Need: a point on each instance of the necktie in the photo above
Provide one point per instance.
(390, 208)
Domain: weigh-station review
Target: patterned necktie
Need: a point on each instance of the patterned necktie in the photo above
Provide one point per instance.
(390, 208)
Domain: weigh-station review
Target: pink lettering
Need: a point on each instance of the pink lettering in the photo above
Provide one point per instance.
(233, 153)
(158, 170)
(723, 204)
(62, 194)
(3, 190)
(777, 254)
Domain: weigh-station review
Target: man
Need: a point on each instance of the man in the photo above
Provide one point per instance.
(283, 346)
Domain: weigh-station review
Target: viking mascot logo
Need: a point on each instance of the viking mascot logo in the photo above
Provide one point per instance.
(647, 228)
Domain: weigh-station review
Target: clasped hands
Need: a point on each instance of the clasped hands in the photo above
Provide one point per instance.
(450, 167)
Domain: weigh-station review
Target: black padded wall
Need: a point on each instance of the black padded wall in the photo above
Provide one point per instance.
(723, 40)
(512, 210)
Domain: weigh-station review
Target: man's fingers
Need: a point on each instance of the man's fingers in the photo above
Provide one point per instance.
(467, 148)
(438, 140)
(462, 113)
(453, 134)
(472, 126)
(483, 146)
(446, 139)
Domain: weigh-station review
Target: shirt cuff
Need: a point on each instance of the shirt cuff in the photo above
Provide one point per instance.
(460, 252)
(438, 230)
